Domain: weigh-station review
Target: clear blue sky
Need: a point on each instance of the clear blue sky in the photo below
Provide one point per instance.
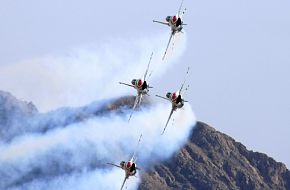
(238, 51)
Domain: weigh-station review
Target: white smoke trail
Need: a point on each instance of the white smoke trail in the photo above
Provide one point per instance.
(103, 139)
(84, 74)
(73, 157)
(85, 180)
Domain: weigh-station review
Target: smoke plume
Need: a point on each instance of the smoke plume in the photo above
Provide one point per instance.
(91, 72)
(71, 153)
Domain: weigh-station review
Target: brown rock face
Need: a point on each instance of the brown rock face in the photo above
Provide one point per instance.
(212, 160)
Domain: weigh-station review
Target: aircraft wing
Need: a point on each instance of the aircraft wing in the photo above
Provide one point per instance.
(134, 157)
(134, 106)
(171, 35)
(124, 182)
(160, 22)
(179, 10)
(140, 99)
(126, 84)
(161, 97)
(114, 165)
(148, 67)
(184, 81)
(168, 120)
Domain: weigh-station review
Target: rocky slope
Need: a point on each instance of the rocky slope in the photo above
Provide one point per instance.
(13, 112)
(12, 107)
(213, 160)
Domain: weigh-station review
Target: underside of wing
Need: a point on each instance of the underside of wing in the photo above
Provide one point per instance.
(124, 182)
(146, 72)
(161, 97)
(134, 157)
(114, 165)
(168, 120)
(171, 35)
(126, 84)
(181, 88)
(140, 99)
(160, 22)
(136, 102)
(179, 10)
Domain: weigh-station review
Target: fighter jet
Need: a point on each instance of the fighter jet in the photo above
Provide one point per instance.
(141, 86)
(176, 100)
(175, 23)
(129, 167)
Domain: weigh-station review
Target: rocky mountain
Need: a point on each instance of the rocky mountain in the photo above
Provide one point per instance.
(13, 112)
(12, 107)
(211, 160)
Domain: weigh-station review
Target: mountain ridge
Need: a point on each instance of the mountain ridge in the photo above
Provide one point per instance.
(213, 160)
